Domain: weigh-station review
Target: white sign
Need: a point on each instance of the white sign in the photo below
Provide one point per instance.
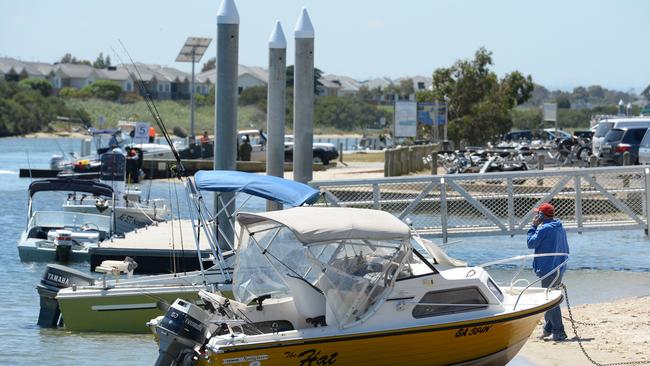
(141, 133)
(406, 119)
(550, 112)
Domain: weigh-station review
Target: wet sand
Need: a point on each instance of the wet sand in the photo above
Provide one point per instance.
(617, 331)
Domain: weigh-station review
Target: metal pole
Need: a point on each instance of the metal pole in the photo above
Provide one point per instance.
(647, 199)
(303, 99)
(225, 146)
(276, 107)
(446, 117)
(192, 135)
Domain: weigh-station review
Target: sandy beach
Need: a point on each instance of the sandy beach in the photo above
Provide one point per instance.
(618, 331)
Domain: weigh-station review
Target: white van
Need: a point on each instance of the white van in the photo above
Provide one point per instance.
(607, 124)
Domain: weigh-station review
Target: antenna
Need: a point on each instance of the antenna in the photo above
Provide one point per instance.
(179, 170)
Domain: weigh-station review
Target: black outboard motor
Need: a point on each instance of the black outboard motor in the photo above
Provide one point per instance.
(181, 332)
(55, 278)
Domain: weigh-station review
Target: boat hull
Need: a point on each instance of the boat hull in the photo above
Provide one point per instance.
(30, 251)
(124, 313)
(494, 341)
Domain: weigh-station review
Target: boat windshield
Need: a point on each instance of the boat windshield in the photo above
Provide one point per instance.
(356, 274)
(353, 275)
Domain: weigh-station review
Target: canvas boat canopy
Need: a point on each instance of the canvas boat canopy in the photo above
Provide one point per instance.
(70, 185)
(318, 224)
(269, 187)
(349, 257)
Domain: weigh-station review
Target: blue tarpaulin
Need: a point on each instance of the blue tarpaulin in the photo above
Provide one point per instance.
(271, 188)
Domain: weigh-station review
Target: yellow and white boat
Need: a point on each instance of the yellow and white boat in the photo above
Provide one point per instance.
(343, 286)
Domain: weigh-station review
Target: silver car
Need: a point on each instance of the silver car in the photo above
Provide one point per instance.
(607, 124)
(644, 149)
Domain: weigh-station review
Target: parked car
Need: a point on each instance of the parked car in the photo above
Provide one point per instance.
(549, 134)
(618, 141)
(516, 136)
(644, 149)
(583, 134)
(324, 152)
(605, 125)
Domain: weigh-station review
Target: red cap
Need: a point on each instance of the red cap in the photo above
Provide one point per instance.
(547, 209)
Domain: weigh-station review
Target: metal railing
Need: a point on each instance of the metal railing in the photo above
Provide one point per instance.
(590, 199)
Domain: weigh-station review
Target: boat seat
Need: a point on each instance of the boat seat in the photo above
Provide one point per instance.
(308, 299)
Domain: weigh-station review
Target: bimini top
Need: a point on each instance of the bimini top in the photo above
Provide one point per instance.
(70, 185)
(265, 186)
(318, 224)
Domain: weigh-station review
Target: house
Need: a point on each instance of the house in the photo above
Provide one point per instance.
(119, 75)
(381, 83)
(16, 70)
(73, 76)
(328, 88)
(248, 76)
(347, 86)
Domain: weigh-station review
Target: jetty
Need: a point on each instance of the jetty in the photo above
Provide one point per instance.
(168, 247)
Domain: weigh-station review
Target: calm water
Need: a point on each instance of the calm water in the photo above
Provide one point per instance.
(618, 261)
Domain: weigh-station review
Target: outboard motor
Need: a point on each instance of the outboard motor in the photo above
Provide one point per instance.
(181, 332)
(55, 278)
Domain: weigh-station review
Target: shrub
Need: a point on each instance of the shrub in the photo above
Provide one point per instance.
(41, 85)
(104, 89)
(179, 131)
(131, 97)
(68, 92)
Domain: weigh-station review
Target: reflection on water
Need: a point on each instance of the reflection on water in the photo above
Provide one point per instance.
(23, 343)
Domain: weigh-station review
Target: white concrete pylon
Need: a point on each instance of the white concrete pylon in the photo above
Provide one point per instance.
(304, 28)
(228, 13)
(277, 39)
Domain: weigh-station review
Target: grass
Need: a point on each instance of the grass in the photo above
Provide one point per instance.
(173, 113)
(177, 113)
(364, 157)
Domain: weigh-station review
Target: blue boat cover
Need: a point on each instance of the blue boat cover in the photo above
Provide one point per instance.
(269, 187)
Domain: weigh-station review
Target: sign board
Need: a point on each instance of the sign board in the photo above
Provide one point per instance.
(550, 112)
(426, 113)
(441, 115)
(141, 133)
(406, 114)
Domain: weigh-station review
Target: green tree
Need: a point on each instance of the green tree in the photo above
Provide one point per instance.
(41, 85)
(346, 113)
(24, 110)
(102, 62)
(209, 65)
(318, 73)
(255, 95)
(104, 89)
(406, 88)
(69, 59)
(480, 103)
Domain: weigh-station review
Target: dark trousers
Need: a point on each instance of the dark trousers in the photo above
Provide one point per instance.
(553, 317)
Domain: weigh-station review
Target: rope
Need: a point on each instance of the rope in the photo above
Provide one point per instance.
(180, 229)
(582, 347)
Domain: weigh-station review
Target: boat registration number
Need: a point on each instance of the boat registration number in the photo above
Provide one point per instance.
(462, 332)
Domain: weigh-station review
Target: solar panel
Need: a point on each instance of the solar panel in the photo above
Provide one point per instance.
(193, 49)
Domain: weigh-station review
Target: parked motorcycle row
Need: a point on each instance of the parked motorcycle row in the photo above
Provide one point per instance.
(506, 156)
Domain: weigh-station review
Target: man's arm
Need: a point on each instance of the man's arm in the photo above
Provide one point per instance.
(536, 235)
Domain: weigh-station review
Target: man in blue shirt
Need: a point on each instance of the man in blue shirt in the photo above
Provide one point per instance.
(547, 235)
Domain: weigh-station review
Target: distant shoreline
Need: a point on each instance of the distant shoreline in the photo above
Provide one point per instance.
(50, 135)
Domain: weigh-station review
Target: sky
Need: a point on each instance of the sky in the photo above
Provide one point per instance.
(561, 43)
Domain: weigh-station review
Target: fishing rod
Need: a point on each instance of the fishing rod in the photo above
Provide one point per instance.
(179, 170)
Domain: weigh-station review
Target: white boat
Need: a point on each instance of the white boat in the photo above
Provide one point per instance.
(65, 235)
(127, 305)
(345, 286)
